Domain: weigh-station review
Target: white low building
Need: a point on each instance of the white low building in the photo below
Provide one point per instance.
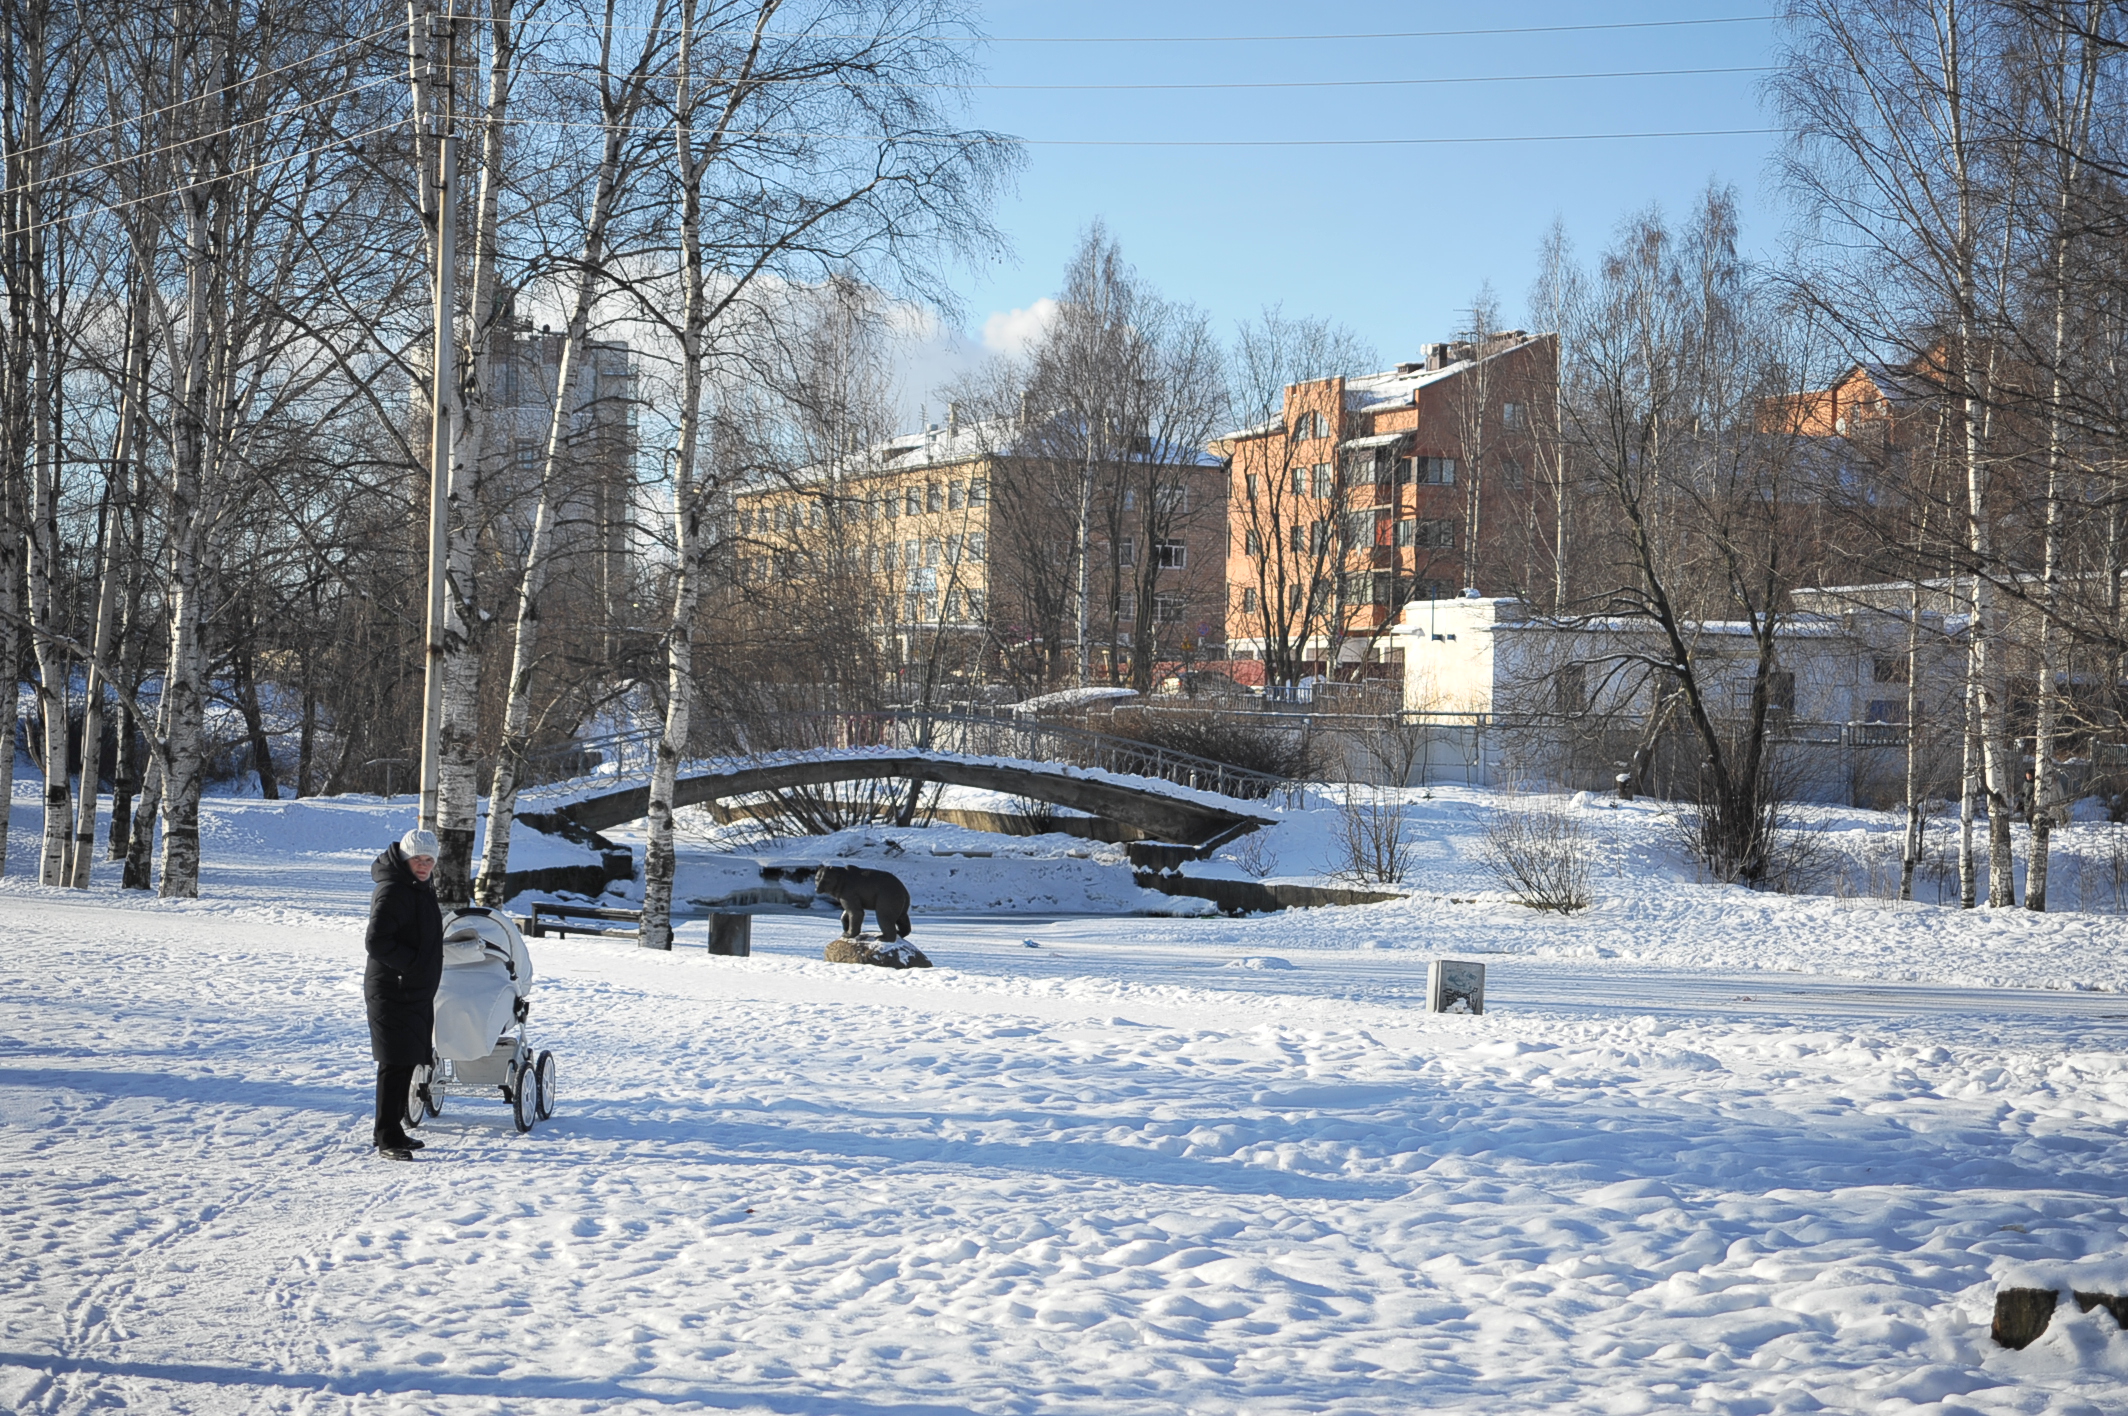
(1566, 699)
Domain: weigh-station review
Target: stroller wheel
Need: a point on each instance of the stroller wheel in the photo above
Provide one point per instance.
(418, 1106)
(524, 1101)
(543, 1085)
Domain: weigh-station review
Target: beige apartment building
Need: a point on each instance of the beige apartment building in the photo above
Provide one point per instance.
(963, 540)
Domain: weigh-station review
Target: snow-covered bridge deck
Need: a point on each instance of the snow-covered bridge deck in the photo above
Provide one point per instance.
(1163, 809)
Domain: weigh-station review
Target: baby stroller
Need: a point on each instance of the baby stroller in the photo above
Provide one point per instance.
(481, 1007)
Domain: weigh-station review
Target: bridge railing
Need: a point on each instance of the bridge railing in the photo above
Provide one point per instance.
(625, 758)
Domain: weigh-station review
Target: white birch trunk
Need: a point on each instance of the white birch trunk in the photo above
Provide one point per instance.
(689, 501)
(109, 591)
(10, 654)
(618, 108)
(45, 612)
(184, 689)
(2043, 730)
(32, 304)
(458, 776)
(139, 871)
(1968, 786)
(1910, 852)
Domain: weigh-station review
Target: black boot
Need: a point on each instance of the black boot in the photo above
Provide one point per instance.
(389, 1132)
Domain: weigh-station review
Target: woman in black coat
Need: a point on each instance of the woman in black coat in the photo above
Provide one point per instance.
(405, 943)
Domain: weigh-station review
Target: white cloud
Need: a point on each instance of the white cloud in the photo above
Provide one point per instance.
(1011, 331)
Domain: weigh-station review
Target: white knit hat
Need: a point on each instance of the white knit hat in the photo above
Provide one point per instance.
(418, 842)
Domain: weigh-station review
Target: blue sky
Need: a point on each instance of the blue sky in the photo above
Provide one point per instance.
(1391, 240)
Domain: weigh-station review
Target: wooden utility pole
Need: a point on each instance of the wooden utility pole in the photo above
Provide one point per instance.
(443, 381)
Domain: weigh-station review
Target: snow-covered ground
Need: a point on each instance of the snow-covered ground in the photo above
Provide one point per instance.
(1708, 1150)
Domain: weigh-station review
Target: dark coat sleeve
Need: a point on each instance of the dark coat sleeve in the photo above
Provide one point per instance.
(392, 940)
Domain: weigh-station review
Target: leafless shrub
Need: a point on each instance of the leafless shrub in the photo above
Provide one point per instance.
(1254, 853)
(1539, 852)
(1395, 747)
(1371, 832)
(1866, 869)
(836, 806)
(1042, 817)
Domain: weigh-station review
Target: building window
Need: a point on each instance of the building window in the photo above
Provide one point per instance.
(934, 497)
(956, 496)
(812, 515)
(913, 501)
(1407, 533)
(1170, 608)
(1173, 501)
(953, 550)
(1514, 417)
(1251, 544)
(931, 550)
(979, 492)
(1363, 587)
(975, 604)
(1888, 669)
(1511, 472)
(1780, 691)
(886, 559)
(1403, 472)
(871, 562)
(1300, 481)
(1436, 471)
(1359, 529)
(1127, 550)
(1300, 544)
(1325, 480)
(908, 553)
(1885, 710)
(1440, 535)
(1249, 602)
(978, 547)
(1252, 482)
(1318, 537)
(1170, 555)
(953, 604)
(1130, 498)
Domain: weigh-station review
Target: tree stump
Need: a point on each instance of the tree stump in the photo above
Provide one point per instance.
(2022, 1314)
(731, 934)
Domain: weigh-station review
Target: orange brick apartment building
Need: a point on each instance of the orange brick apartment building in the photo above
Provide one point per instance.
(1363, 495)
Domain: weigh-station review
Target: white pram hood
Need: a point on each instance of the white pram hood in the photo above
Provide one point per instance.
(486, 969)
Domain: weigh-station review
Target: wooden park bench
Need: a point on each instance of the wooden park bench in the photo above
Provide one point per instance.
(552, 920)
(728, 933)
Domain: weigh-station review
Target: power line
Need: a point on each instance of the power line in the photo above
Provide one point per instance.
(80, 169)
(772, 83)
(214, 92)
(1383, 34)
(544, 23)
(1396, 142)
(208, 181)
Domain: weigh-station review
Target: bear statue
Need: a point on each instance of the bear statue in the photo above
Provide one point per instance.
(857, 889)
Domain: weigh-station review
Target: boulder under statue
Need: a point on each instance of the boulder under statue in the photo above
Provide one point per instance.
(860, 891)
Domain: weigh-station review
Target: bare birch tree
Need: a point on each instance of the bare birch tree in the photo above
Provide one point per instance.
(622, 96)
(758, 86)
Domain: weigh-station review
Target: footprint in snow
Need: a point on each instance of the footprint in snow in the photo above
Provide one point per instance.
(1259, 961)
